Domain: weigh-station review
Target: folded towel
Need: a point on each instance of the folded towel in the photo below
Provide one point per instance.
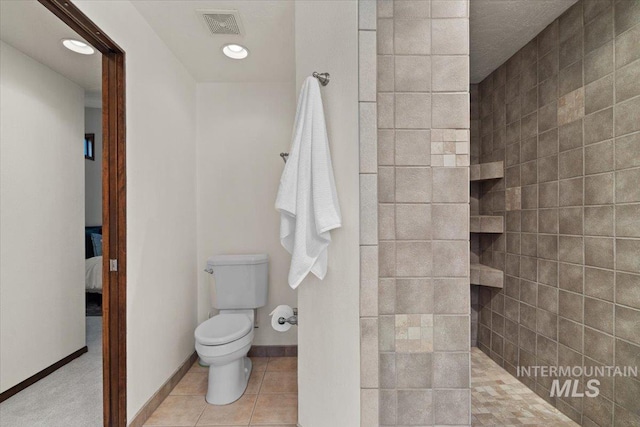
(307, 198)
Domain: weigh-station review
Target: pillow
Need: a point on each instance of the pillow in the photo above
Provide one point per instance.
(96, 241)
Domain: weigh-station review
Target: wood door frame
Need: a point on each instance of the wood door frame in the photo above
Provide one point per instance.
(114, 283)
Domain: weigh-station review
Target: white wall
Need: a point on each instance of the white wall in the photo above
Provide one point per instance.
(241, 130)
(42, 217)
(93, 169)
(161, 232)
(163, 264)
(328, 335)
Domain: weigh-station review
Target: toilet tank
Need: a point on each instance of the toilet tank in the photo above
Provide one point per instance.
(239, 281)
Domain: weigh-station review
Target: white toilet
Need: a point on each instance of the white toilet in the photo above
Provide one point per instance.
(239, 284)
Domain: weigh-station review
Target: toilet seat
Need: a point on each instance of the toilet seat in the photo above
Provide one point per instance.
(223, 329)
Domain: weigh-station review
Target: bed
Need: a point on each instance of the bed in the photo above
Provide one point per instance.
(93, 274)
(93, 259)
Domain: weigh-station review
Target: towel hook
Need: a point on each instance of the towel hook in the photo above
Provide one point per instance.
(323, 78)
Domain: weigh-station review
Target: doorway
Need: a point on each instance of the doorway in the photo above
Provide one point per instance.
(114, 208)
(113, 177)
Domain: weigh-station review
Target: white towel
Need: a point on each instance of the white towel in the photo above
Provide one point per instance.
(307, 198)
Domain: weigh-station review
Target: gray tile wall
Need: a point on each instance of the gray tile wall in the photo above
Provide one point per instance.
(564, 115)
(423, 213)
(475, 208)
(369, 392)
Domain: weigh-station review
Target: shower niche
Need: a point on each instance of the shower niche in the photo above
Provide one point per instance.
(487, 231)
(486, 228)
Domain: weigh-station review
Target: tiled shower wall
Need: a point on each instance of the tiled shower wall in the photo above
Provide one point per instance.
(369, 393)
(564, 115)
(415, 306)
(474, 203)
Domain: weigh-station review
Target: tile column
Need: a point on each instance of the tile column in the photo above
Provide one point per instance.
(423, 214)
(369, 394)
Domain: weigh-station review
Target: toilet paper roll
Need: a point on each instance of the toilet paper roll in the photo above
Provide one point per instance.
(281, 311)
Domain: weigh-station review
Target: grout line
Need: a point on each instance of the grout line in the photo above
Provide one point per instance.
(255, 403)
(201, 413)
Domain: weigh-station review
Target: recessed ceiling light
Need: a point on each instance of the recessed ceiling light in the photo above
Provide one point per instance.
(235, 51)
(78, 46)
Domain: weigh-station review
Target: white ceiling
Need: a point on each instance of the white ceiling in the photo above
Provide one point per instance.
(499, 28)
(268, 34)
(31, 28)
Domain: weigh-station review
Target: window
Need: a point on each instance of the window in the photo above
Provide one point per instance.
(89, 146)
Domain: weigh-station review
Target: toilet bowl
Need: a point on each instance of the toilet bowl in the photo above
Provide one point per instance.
(222, 343)
(238, 285)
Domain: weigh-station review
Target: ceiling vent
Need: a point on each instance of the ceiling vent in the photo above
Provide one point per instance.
(222, 22)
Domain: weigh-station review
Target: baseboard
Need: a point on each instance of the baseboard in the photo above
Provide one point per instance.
(273, 351)
(40, 375)
(152, 404)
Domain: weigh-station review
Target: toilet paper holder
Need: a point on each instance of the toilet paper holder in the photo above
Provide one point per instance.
(293, 320)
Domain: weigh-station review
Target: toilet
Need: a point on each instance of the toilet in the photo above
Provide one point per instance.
(238, 285)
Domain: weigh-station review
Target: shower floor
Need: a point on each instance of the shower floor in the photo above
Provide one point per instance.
(499, 399)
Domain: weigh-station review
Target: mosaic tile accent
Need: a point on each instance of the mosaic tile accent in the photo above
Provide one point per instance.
(414, 333)
(450, 147)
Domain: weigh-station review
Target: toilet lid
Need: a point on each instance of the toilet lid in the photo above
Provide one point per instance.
(223, 329)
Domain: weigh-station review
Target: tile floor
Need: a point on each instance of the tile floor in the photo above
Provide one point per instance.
(499, 399)
(271, 398)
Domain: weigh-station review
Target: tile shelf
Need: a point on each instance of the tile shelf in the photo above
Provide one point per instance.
(486, 224)
(481, 274)
(484, 275)
(485, 171)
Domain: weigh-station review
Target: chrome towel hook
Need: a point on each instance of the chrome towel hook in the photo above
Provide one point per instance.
(323, 78)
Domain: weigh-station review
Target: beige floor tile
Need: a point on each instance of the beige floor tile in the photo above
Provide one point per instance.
(192, 384)
(283, 364)
(197, 368)
(186, 407)
(255, 381)
(178, 411)
(276, 408)
(236, 413)
(279, 382)
(259, 363)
